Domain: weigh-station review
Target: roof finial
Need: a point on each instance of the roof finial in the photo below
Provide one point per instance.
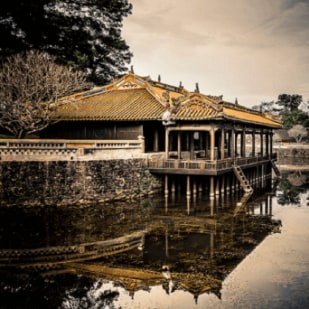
(180, 84)
(159, 78)
(132, 69)
(236, 101)
(197, 88)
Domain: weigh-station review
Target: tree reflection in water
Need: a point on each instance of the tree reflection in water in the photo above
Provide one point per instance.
(290, 188)
(127, 247)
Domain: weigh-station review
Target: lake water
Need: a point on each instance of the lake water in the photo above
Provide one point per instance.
(158, 253)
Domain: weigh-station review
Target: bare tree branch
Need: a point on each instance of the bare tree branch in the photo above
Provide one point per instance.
(298, 132)
(30, 88)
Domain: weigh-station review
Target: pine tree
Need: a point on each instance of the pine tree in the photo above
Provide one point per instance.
(84, 33)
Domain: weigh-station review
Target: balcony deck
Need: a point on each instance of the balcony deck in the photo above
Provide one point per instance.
(205, 167)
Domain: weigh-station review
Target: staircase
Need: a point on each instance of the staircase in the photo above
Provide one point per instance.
(244, 182)
(275, 168)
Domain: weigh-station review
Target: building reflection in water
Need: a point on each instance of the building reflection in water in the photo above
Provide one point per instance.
(178, 243)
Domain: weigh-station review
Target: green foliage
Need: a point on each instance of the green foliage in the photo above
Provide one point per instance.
(86, 33)
(295, 117)
(289, 102)
(289, 194)
(287, 107)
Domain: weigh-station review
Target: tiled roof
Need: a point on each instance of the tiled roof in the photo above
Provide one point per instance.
(135, 98)
(250, 116)
(122, 105)
(196, 106)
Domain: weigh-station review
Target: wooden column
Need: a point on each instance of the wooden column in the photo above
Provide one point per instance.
(212, 144)
(156, 141)
(217, 189)
(166, 185)
(222, 143)
(194, 187)
(232, 143)
(236, 143)
(271, 144)
(223, 184)
(212, 187)
(243, 143)
(253, 143)
(167, 143)
(188, 193)
(262, 143)
(267, 144)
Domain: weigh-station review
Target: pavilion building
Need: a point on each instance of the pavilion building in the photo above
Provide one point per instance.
(201, 139)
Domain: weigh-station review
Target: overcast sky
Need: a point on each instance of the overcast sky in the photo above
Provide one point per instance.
(250, 49)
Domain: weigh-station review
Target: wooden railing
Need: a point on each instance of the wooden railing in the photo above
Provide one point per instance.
(206, 164)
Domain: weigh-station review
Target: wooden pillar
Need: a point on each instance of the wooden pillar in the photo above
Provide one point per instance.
(222, 143)
(262, 143)
(200, 188)
(188, 193)
(211, 187)
(236, 143)
(243, 143)
(166, 185)
(271, 144)
(212, 144)
(156, 141)
(194, 188)
(253, 143)
(167, 131)
(222, 185)
(217, 186)
(228, 183)
(267, 144)
(232, 143)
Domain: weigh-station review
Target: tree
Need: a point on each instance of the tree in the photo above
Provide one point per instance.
(296, 117)
(289, 102)
(30, 87)
(267, 107)
(85, 33)
(298, 132)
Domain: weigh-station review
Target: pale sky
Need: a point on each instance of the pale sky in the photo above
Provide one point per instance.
(250, 49)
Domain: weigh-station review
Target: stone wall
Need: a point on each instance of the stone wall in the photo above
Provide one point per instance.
(75, 182)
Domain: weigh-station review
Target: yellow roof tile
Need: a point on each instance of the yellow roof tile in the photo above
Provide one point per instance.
(131, 104)
(135, 98)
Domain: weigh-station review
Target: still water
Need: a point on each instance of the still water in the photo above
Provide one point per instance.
(158, 253)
